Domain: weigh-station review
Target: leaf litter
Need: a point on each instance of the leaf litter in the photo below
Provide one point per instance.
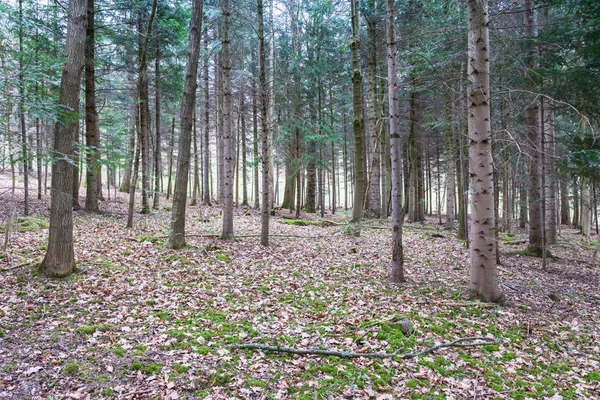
(139, 320)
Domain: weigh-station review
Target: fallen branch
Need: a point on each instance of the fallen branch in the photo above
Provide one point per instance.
(16, 266)
(462, 342)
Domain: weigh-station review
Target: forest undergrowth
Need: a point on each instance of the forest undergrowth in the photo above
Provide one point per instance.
(140, 321)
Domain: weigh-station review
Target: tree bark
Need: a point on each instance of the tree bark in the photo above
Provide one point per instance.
(483, 271)
(177, 235)
(264, 107)
(59, 260)
(206, 175)
(551, 178)
(22, 113)
(227, 232)
(358, 119)
(157, 145)
(92, 138)
(450, 168)
(397, 265)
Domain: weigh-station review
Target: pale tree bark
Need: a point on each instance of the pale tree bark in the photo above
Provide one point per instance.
(227, 156)
(397, 266)
(206, 175)
(59, 260)
(450, 168)
(264, 107)
(92, 134)
(243, 149)
(177, 235)
(358, 120)
(483, 271)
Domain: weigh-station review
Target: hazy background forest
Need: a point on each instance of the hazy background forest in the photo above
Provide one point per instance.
(228, 184)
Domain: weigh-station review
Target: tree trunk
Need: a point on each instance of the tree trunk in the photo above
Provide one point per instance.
(195, 184)
(22, 113)
(551, 178)
(59, 260)
(171, 147)
(483, 272)
(92, 138)
(358, 120)
(374, 178)
(126, 181)
(397, 265)
(450, 168)
(157, 146)
(227, 156)
(243, 149)
(255, 147)
(264, 106)
(206, 175)
(177, 235)
(565, 211)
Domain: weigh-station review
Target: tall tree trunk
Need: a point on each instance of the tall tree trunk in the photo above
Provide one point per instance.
(483, 271)
(264, 106)
(170, 161)
(188, 103)
(126, 180)
(206, 175)
(450, 168)
(255, 146)
(22, 113)
(227, 156)
(397, 265)
(76, 163)
(144, 106)
(565, 211)
(243, 147)
(523, 219)
(374, 178)
(157, 145)
(92, 138)
(551, 177)
(59, 260)
(358, 120)
(196, 172)
(532, 124)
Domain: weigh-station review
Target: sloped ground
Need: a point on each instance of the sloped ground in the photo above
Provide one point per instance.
(142, 321)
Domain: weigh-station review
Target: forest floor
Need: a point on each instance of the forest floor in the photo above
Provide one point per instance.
(139, 320)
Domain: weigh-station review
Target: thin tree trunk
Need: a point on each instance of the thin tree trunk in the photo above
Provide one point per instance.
(92, 138)
(450, 167)
(397, 265)
(22, 113)
(255, 146)
(565, 211)
(171, 147)
(206, 191)
(177, 235)
(358, 120)
(264, 106)
(157, 146)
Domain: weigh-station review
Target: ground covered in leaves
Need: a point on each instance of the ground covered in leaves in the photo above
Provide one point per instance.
(139, 320)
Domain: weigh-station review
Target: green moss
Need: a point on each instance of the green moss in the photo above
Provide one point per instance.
(90, 329)
(222, 257)
(180, 369)
(71, 369)
(151, 239)
(33, 223)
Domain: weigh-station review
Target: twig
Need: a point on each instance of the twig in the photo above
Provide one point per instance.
(16, 266)
(470, 342)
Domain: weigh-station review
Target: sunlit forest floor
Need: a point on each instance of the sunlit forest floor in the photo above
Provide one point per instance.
(139, 320)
